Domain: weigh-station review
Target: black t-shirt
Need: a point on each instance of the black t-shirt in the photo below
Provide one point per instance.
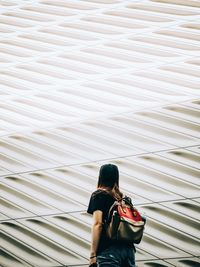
(101, 200)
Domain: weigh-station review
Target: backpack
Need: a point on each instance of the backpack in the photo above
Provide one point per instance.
(125, 223)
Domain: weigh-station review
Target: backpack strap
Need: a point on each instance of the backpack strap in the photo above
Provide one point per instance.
(112, 208)
(128, 201)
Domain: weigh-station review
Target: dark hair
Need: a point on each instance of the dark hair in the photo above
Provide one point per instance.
(109, 179)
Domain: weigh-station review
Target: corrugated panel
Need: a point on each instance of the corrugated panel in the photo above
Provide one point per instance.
(88, 82)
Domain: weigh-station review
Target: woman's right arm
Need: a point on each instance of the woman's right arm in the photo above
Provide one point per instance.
(96, 233)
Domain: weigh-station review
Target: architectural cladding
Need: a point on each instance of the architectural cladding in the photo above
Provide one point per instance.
(90, 82)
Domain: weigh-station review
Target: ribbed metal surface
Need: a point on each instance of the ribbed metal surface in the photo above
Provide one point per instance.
(89, 82)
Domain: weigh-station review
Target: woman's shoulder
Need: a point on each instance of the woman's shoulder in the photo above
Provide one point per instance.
(101, 193)
(98, 192)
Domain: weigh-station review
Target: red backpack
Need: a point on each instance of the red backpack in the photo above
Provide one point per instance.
(125, 223)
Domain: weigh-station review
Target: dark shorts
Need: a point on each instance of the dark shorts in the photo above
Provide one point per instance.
(116, 256)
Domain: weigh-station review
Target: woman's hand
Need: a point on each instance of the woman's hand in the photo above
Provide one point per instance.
(93, 261)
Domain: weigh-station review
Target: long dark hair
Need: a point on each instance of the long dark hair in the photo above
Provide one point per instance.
(109, 180)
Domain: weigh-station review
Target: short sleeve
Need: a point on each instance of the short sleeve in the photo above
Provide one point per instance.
(97, 202)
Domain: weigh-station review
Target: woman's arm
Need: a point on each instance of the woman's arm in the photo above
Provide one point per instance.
(96, 233)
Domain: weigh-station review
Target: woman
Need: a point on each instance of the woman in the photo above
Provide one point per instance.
(105, 252)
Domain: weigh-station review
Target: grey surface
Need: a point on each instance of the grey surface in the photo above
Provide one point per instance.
(85, 83)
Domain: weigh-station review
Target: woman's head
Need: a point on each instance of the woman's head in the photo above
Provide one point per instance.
(108, 176)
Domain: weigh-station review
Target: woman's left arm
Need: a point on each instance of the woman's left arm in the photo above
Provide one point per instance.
(96, 233)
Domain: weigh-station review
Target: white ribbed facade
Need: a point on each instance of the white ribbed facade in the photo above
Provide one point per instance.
(89, 82)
